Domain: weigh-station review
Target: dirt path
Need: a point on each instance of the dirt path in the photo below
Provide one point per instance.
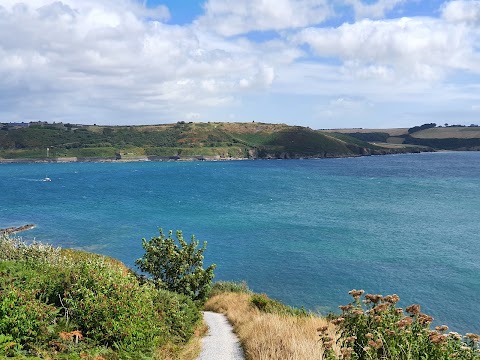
(220, 343)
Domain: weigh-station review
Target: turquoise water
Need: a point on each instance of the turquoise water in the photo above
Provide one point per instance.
(303, 231)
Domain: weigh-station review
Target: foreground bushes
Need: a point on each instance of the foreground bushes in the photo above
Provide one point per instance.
(369, 328)
(376, 329)
(69, 302)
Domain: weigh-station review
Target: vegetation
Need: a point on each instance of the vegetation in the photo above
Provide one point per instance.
(376, 329)
(66, 304)
(421, 127)
(218, 140)
(370, 329)
(270, 332)
(450, 137)
(177, 265)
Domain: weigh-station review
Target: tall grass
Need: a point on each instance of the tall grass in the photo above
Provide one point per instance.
(370, 328)
(274, 334)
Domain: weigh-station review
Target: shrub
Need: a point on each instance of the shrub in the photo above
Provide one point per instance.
(93, 300)
(177, 267)
(267, 305)
(220, 287)
(377, 329)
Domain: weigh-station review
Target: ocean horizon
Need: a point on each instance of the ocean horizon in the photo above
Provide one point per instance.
(303, 231)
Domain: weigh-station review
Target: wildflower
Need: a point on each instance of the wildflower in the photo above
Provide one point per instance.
(367, 348)
(436, 338)
(377, 318)
(390, 332)
(405, 322)
(347, 353)
(357, 312)
(413, 309)
(373, 298)
(377, 344)
(381, 308)
(337, 321)
(356, 293)
(424, 319)
(322, 329)
(455, 335)
(369, 336)
(351, 339)
(328, 345)
(346, 307)
(392, 299)
(441, 328)
(473, 337)
(399, 311)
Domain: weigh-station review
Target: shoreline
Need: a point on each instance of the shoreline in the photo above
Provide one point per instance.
(202, 158)
(17, 229)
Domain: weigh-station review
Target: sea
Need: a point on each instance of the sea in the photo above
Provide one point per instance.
(302, 231)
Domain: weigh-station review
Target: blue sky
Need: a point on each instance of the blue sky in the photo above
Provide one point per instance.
(317, 63)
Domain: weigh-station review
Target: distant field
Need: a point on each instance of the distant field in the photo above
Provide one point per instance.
(449, 132)
(391, 132)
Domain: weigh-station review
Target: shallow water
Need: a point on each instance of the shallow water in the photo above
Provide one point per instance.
(303, 231)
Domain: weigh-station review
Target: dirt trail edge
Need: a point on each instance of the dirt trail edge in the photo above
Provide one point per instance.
(220, 343)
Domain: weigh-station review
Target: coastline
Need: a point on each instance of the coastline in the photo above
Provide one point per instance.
(283, 156)
(17, 229)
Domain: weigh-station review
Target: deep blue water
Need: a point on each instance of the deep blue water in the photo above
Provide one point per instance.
(303, 231)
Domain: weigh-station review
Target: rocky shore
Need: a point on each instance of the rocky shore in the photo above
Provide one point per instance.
(14, 229)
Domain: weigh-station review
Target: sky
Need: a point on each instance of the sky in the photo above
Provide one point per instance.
(317, 63)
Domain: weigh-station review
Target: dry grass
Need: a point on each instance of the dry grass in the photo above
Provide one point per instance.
(391, 132)
(450, 132)
(271, 336)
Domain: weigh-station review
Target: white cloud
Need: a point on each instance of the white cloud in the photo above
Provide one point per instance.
(374, 10)
(107, 55)
(114, 61)
(233, 17)
(420, 48)
(462, 11)
(261, 79)
(192, 116)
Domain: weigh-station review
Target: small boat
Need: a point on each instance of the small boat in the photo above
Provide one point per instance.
(47, 179)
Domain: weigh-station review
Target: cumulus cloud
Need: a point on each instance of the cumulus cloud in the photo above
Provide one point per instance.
(422, 48)
(78, 56)
(116, 61)
(462, 11)
(233, 17)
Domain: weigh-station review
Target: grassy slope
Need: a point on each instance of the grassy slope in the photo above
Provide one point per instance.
(182, 139)
(450, 138)
(372, 328)
(60, 304)
(449, 132)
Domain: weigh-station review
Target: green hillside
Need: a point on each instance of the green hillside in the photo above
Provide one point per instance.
(180, 140)
(453, 137)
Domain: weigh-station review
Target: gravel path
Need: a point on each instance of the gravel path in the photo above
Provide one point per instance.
(220, 343)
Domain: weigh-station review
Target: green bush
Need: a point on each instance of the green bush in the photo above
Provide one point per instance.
(177, 265)
(220, 287)
(50, 297)
(265, 304)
